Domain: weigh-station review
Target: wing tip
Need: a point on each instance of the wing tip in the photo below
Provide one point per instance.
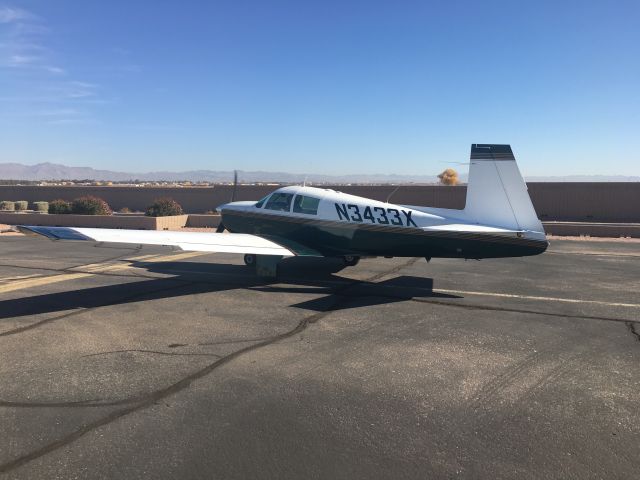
(53, 233)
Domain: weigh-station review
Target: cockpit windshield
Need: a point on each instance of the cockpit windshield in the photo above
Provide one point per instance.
(261, 201)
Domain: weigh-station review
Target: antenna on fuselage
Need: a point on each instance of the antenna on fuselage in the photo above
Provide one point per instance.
(304, 183)
(391, 194)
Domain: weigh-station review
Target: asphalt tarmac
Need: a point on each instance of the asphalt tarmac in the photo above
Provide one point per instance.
(121, 362)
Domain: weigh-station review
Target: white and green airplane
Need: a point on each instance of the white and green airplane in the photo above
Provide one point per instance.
(498, 221)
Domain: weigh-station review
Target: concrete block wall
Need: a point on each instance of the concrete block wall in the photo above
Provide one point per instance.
(574, 202)
(135, 222)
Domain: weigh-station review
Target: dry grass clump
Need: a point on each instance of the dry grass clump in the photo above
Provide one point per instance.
(449, 177)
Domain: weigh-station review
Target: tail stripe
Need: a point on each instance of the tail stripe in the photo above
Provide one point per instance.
(483, 151)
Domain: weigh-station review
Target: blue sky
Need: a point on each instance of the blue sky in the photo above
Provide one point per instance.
(320, 87)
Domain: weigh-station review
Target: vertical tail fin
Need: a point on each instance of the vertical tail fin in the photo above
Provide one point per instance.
(496, 193)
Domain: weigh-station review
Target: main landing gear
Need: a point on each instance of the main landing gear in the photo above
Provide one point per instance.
(266, 265)
(351, 260)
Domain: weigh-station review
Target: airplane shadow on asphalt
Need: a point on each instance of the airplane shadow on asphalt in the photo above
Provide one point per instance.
(296, 275)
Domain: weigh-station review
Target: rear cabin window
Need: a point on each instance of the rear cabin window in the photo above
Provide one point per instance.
(304, 204)
(280, 201)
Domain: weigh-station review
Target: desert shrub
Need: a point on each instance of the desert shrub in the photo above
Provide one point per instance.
(449, 177)
(164, 207)
(41, 207)
(59, 206)
(7, 205)
(22, 205)
(90, 206)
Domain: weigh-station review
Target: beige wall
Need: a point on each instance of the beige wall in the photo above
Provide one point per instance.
(576, 229)
(136, 222)
(596, 202)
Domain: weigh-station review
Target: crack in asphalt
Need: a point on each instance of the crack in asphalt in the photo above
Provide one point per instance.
(147, 400)
(158, 352)
(631, 326)
(229, 342)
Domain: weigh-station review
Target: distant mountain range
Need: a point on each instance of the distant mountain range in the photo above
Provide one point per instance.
(52, 171)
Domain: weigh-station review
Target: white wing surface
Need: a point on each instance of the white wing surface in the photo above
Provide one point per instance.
(188, 241)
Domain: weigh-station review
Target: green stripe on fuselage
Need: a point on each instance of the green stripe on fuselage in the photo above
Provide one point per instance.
(333, 238)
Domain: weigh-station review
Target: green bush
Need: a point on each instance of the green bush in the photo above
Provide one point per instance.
(90, 206)
(22, 205)
(164, 207)
(59, 206)
(7, 206)
(41, 207)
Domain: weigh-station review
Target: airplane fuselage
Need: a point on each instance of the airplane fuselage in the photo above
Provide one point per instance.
(330, 223)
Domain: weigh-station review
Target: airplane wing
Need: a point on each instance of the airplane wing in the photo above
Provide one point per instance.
(188, 241)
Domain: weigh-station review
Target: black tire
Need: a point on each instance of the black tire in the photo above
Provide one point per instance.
(351, 260)
(250, 259)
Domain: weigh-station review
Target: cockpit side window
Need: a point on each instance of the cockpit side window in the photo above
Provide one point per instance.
(261, 202)
(304, 204)
(279, 201)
